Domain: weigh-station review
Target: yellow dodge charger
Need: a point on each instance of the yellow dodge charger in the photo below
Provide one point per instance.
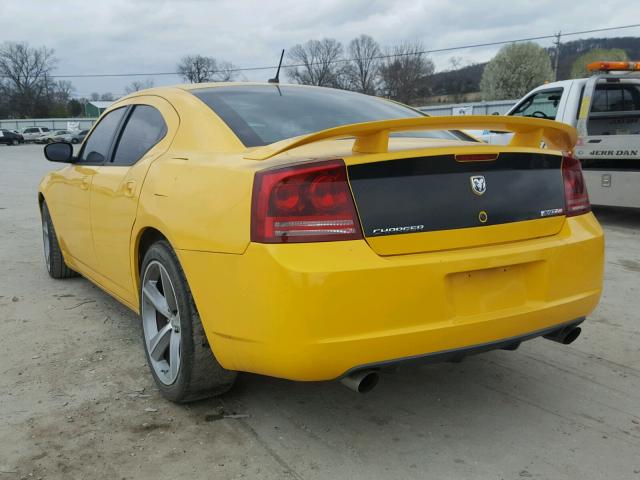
(314, 234)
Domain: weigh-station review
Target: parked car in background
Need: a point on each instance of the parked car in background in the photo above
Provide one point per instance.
(9, 137)
(31, 133)
(78, 137)
(55, 136)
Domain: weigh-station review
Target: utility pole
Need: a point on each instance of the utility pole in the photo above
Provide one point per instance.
(557, 44)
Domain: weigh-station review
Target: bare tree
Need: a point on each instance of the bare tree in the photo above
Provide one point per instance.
(225, 72)
(138, 85)
(107, 97)
(362, 70)
(319, 62)
(455, 63)
(199, 69)
(405, 70)
(94, 96)
(62, 91)
(25, 73)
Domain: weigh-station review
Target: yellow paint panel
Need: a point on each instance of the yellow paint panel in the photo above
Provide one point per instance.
(313, 311)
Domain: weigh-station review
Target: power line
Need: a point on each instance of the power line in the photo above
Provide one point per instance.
(344, 60)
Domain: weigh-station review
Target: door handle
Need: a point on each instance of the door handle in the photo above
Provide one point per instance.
(130, 188)
(84, 183)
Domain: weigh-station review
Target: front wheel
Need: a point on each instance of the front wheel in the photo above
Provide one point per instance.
(178, 354)
(52, 254)
(15, 142)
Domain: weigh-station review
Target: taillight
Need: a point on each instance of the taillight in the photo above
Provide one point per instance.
(310, 202)
(575, 190)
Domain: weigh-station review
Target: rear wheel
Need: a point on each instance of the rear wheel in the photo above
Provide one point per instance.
(52, 254)
(176, 347)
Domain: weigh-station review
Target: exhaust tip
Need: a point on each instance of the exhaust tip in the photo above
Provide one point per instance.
(368, 382)
(565, 336)
(571, 335)
(361, 382)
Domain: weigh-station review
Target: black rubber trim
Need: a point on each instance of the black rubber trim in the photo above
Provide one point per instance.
(458, 353)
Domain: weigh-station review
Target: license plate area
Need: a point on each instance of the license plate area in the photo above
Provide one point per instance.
(491, 289)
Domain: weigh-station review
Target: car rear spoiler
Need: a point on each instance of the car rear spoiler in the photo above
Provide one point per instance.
(373, 137)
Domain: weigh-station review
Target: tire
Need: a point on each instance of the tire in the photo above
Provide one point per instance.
(182, 362)
(15, 142)
(52, 254)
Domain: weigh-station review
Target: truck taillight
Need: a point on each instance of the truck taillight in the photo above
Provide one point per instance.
(310, 202)
(575, 190)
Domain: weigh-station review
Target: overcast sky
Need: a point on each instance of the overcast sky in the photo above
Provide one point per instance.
(118, 36)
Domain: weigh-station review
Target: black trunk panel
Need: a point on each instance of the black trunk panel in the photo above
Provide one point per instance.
(435, 193)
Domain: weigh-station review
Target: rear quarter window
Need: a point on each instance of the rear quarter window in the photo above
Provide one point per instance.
(143, 130)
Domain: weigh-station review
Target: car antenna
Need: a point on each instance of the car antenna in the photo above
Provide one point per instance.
(276, 79)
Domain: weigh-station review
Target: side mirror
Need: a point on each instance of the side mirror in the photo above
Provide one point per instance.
(59, 152)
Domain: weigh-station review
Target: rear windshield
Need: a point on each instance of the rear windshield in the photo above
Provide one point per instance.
(264, 114)
(616, 97)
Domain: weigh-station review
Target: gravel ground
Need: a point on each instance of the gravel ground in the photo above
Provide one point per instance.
(77, 400)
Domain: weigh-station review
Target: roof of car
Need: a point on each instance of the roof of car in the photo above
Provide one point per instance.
(195, 86)
(187, 87)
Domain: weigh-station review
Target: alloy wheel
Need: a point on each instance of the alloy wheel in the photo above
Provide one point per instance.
(161, 322)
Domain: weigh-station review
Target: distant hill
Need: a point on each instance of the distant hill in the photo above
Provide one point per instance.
(459, 85)
(457, 82)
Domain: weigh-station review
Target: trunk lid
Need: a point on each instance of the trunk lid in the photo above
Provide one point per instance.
(441, 202)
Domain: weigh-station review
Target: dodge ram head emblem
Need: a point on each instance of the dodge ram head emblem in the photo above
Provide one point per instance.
(478, 184)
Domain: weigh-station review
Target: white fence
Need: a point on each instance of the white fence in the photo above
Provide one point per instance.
(499, 107)
(51, 123)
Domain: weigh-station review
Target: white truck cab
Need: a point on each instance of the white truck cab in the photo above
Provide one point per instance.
(605, 109)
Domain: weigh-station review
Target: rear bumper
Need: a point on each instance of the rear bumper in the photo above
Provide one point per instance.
(459, 353)
(317, 311)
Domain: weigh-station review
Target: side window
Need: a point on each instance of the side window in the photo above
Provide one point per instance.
(542, 104)
(144, 129)
(31, 130)
(96, 148)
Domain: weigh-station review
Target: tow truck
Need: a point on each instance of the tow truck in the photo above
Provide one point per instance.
(605, 109)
